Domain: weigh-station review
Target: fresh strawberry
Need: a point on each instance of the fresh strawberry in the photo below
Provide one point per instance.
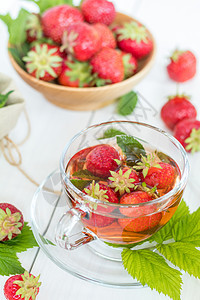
(182, 66)
(75, 74)
(155, 173)
(11, 221)
(81, 40)
(104, 193)
(133, 38)
(21, 287)
(108, 65)
(130, 64)
(44, 62)
(101, 160)
(187, 132)
(176, 109)
(98, 11)
(107, 38)
(55, 20)
(33, 28)
(141, 223)
(124, 180)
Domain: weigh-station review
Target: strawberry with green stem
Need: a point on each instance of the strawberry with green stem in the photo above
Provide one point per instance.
(132, 37)
(22, 287)
(124, 180)
(182, 66)
(187, 132)
(154, 173)
(44, 62)
(103, 193)
(75, 73)
(81, 40)
(33, 28)
(130, 64)
(11, 221)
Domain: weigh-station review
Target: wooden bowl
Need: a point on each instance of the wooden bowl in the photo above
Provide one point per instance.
(90, 98)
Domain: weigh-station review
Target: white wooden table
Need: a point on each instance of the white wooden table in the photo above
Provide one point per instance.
(174, 23)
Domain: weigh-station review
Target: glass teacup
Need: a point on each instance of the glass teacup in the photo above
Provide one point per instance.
(91, 219)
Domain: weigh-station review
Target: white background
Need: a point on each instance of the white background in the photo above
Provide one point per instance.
(174, 23)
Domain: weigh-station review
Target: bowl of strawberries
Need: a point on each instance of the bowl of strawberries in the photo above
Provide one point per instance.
(81, 58)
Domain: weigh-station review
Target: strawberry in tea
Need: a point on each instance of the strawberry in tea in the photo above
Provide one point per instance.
(123, 186)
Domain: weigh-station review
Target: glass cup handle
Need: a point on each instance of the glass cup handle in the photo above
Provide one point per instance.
(70, 232)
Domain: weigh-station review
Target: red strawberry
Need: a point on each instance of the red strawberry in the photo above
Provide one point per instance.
(55, 20)
(75, 74)
(33, 28)
(108, 65)
(187, 132)
(124, 180)
(176, 109)
(101, 160)
(11, 221)
(133, 38)
(107, 38)
(21, 287)
(140, 222)
(104, 193)
(98, 11)
(130, 64)
(182, 66)
(81, 40)
(44, 62)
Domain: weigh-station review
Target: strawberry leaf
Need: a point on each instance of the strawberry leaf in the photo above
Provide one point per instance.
(110, 133)
(21, 242)
(183, 255)
(4, 98)
(150, 268)
(9, 263)
(127, 103)
(131, 147)
(86, 175)
(80, 184)
(188, 229)
(165, 233)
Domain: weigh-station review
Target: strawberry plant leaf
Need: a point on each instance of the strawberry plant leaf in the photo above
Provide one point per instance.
(183, 255)
(127, 103)
(22, 242)
(80, 184)
(4, 98)
(86, 175)
(150, 268)
(9, 263)
(165, 233)
(111, 132)
(188, 229)
(131, 147)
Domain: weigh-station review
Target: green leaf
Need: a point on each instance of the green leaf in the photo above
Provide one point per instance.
(80, 184)
(127, 103)
(4, 98)
(85, 174)
(131, 148)
(9, 263)
(165, 233)
(110, 133)
(183, 255)
(17, 29)
(129, 246)
(22, 242)
(46, 4)
(150, 268)
(7, 20)
(188, 229)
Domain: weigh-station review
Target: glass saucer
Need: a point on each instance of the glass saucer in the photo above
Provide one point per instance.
(95, 262)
